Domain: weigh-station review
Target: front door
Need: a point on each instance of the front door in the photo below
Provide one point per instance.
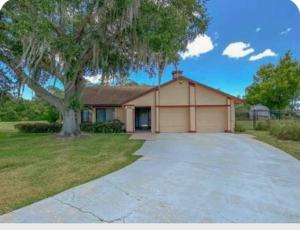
(143, 118)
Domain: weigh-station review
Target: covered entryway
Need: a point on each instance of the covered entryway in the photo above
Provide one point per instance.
(174, 119)
(143, 118)
(211, 119)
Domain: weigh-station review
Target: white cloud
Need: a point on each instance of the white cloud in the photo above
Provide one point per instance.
(285, 31)
(258, 29)
(95, 79)
(202, 44)
(297, 3)
(266, 53)
(238, 50)
(2, 2)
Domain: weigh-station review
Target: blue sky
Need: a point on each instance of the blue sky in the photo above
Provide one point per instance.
(239, 31)
(261, 24)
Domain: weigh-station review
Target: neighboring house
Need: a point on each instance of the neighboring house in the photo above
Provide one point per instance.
(259, 111)
(180, 105)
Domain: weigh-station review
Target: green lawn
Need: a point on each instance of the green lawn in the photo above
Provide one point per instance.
(35, 166)
(291, 147)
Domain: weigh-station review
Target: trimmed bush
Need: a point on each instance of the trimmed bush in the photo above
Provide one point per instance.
(114, 126)
(38, 127)
(286, 129)
(262, 125)
(239, 128)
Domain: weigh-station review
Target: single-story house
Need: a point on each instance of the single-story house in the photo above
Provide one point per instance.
(179, 105)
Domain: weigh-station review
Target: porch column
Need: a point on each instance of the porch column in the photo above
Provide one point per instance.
(232, 116)
(192, 108)
(157, 120)
(229, 129)
(93, 115)
(153, 119)
(129, 118)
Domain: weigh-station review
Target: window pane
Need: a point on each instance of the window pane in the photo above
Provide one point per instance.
(109, 114)
(86, 116)
(104, 114)
(100, 115)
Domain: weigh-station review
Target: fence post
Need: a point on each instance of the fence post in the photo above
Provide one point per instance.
(254, 118)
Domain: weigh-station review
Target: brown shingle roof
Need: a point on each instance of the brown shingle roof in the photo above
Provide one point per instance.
(111, 95)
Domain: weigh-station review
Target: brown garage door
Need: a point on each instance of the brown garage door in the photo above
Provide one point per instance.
(210, 119)
(174, 120)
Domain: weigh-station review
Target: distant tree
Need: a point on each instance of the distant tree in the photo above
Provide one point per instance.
(18, 109)
(66, 39)
(276, 86)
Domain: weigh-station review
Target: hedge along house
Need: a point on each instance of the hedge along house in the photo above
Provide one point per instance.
(180, 105)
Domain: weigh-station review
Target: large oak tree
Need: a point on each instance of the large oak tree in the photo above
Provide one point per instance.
(63, 40)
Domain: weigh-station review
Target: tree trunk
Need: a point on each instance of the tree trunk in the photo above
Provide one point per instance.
(70, 126)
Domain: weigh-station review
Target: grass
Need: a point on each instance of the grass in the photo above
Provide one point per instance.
(248, 125)
(289, 146)
(36, 166)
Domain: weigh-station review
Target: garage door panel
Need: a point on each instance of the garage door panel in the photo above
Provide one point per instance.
(210, 120)
(174, 120)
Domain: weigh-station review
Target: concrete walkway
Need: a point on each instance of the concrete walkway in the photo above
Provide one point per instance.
(184, 178)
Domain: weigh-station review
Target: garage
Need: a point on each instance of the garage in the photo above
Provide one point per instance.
(174, 120)
(211, 119)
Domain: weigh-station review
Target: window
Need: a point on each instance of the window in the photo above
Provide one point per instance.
(86, 116)
(104, 114)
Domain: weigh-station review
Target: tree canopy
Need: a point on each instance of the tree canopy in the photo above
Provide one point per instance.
(276, 86)
(67, 39)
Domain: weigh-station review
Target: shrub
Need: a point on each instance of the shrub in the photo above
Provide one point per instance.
(239, 128)
(38, 127)
(114, 126)
(286, 129)
(262, 125)
(52, 115)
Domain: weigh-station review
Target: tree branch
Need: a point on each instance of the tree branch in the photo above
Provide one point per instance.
(38, 89)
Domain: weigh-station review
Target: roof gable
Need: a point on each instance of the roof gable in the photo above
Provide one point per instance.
(236, 99)
(111, 95)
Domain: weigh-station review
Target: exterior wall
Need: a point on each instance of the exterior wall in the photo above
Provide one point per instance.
(192, 112)
(205, 96)
(129, 119)
(120, 114)
(146, 100)
(176, 93)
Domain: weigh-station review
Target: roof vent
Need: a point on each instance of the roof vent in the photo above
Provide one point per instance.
(177, 74)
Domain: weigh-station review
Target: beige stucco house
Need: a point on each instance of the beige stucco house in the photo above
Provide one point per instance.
(180, 105)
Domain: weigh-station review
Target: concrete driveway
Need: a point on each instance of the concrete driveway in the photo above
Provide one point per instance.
(184, 178)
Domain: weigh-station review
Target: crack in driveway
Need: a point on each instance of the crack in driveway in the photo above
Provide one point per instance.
(81, 210)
